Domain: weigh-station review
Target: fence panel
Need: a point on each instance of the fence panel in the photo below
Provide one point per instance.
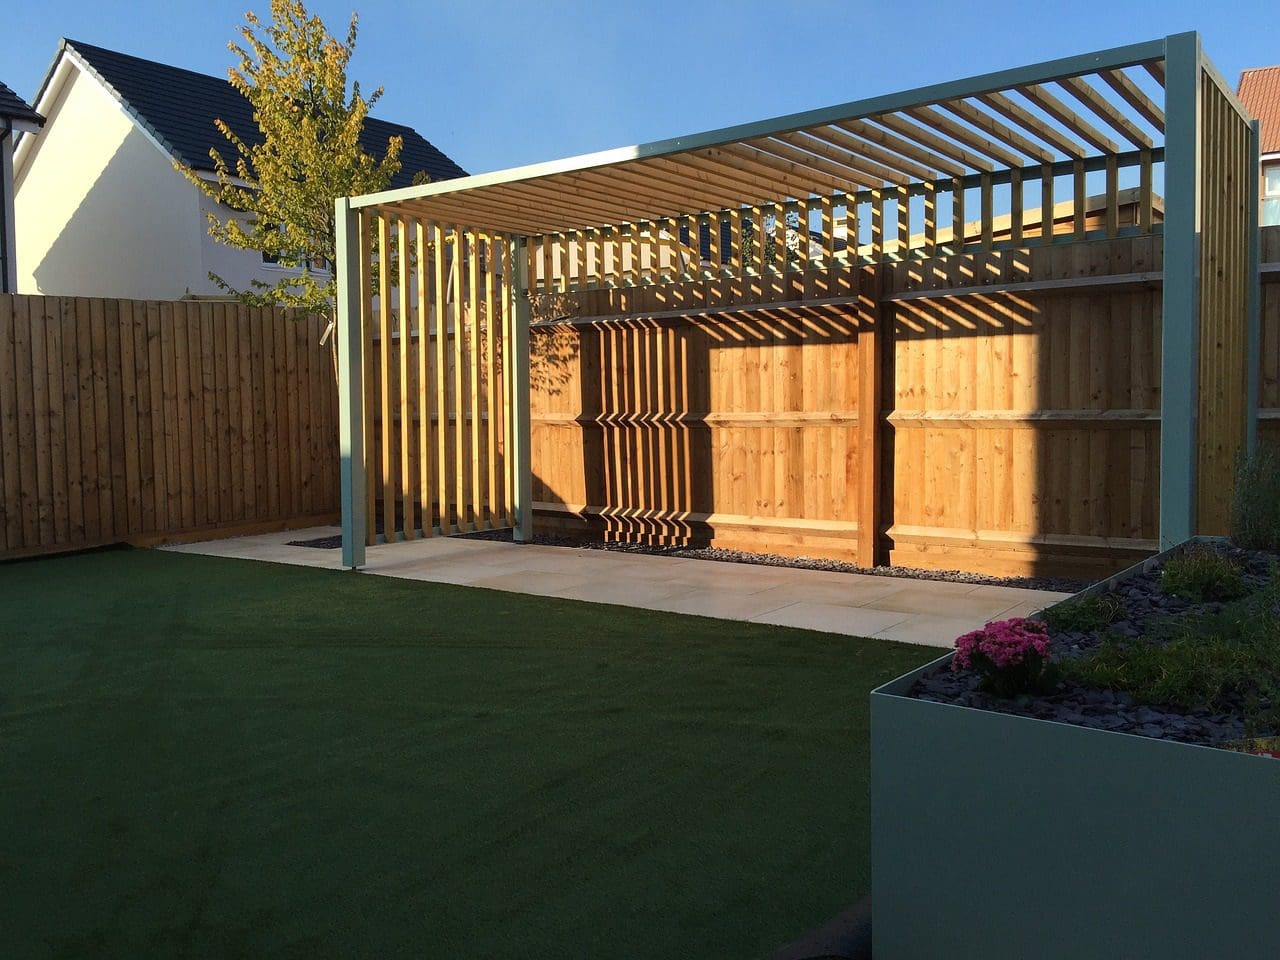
(140, 421)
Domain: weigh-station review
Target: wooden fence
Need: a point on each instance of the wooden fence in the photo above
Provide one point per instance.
(143, 421)
(1017, 399)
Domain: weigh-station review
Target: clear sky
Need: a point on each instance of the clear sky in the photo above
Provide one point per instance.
(495, 83)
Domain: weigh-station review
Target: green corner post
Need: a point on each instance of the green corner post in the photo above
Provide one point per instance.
(1253, 302)
(1180, 337)
(350, 384)
(520, 430)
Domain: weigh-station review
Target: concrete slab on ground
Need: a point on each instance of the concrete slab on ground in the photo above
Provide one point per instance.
(930, 612)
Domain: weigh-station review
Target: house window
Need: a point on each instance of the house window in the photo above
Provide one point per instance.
(1271, 195)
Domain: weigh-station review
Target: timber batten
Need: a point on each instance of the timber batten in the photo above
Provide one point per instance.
(930, 327)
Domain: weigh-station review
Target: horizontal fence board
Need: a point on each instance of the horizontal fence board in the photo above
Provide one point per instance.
(1019, 414)
(140, 422)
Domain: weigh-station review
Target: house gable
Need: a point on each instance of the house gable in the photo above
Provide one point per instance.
(103, 210)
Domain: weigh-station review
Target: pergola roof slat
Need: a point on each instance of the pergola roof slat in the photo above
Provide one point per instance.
(900, 145)
(1132, 94)
(974, 141)
(1037, 128)
(1109, 114)
(1051, 105)
(929, 139)
(943, 131)
(984, 121)
(856, 145)
(860, 165)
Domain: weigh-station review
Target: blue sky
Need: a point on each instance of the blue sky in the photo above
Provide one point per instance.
(495, 84)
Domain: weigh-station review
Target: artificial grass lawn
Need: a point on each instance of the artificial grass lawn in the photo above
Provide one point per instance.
(223, 758)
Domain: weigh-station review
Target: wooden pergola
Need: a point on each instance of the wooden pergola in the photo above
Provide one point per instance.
(469, 255)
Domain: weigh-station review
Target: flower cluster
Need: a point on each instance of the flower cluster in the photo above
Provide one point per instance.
(1011, 655)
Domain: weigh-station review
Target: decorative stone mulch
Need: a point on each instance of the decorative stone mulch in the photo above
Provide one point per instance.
(1142, 605)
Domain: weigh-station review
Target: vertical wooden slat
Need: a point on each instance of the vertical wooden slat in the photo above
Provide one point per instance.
(213, 425)
(385, 379)
(79, 326)
(182, 410)
(1079, 198)
(1112, 213)
(877, 225)
(508, 316)
(129, 412)
(851, 233)
(988, 210)
(903, 196)
(474, 386)
(1145, 189)
(442, 379)
(736, 266)
(57, 396)
(957, 214)
(367, 326)
(269, 318)
(151, 422)
(405, 350)
(10, 454)
(422, 398)
(69, 387)
(24, 393)
(101, 407)
(490, 346)
(930, 193)
(226, 441)
(243, 387)
(115, 422)
(459, 407)
(1015, 207)
(1046, 204)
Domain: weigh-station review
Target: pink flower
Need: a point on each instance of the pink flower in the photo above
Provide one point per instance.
(1010, 654)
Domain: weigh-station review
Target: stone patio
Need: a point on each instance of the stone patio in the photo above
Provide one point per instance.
(912, 611)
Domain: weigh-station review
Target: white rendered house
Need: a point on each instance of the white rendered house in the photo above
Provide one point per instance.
(16, 118)
(104, 211)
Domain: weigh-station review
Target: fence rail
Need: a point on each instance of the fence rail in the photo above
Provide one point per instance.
(1018, 407)
(124, 420)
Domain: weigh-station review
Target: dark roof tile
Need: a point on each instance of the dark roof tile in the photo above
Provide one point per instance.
(180, 106)
(13, 107)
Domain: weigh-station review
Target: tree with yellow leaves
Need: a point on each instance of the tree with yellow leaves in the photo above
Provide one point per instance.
(282, 185)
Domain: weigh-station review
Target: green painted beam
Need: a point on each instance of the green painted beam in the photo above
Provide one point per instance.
(1114, 58)
(1253, 303)
(350, 384)
(1180, 330)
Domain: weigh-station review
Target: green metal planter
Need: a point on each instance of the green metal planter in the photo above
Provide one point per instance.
(997, 836)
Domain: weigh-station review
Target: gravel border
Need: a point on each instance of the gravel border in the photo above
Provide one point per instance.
(1059, 584)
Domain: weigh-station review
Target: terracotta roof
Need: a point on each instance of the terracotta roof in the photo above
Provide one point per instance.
(1260, 93)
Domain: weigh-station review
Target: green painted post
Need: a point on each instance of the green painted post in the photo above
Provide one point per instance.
(1253, 321)
(1180, 337)
(520, 433)
(350, 383)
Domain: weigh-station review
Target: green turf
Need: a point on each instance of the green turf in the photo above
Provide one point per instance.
(209, 757)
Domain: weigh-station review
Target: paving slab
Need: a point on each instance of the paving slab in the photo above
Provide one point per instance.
(931, 612)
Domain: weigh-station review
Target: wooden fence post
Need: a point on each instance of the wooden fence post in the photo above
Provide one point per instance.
(871, 344)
